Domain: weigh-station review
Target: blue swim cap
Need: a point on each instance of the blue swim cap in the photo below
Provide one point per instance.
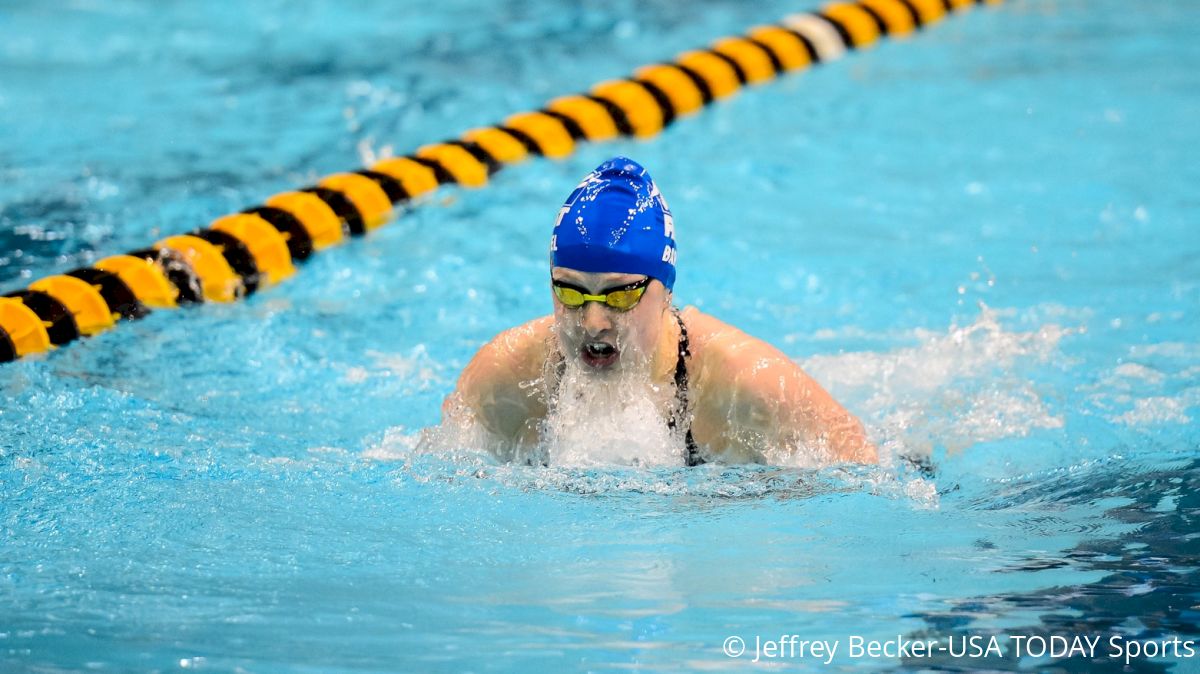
(616, 221)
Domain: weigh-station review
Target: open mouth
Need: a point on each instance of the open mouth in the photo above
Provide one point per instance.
(599, 354)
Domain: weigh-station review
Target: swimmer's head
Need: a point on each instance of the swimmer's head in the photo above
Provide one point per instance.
(616, 221)
(613, 267)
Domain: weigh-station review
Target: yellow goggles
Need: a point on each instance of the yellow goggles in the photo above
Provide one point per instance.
(621, 299)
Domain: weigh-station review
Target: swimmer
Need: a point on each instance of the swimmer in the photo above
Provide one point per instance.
(615, 341)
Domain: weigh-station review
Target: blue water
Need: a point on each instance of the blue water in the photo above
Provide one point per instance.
(982, 240)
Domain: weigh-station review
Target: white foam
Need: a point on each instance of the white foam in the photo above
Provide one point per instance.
(1160, 409)
(1179, 350)
(1136, 371)
(612, 421)
(422, 462)
(1155, 391)
(415, 366)
(397, 444)
(955, 389)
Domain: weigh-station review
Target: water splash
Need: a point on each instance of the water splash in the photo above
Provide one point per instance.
(616, 420)
(1154, 385)
(954, 389)
(451, 454)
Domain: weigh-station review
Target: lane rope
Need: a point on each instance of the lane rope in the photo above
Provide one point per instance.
(242, 253)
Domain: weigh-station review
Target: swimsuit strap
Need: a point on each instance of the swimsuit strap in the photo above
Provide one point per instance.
(681, 390)
(560, 367)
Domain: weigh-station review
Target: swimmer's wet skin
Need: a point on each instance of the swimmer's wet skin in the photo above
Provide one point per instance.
(735, 399)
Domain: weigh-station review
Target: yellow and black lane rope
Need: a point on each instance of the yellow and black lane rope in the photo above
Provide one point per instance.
(239, 254)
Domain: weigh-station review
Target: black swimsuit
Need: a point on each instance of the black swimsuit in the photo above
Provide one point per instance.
(680, 414)
(693, 457)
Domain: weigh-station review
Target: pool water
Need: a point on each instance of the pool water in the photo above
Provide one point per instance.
(981, 240)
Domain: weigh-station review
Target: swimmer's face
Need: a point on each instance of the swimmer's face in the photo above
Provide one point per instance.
(604, 339)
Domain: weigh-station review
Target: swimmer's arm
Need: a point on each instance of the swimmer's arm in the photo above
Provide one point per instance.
(777, 400)
(489, 389)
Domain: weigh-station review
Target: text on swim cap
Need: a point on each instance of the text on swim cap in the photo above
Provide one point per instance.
(668, 255)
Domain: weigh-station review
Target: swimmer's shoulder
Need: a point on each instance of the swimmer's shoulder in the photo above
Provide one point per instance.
(717, 344)
(730, 365)
(515, 355)
(753, 385)
(493, 387)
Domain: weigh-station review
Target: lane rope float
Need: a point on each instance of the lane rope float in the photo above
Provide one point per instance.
(241, 253)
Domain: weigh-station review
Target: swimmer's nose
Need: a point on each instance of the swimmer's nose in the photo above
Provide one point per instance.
(595, 318)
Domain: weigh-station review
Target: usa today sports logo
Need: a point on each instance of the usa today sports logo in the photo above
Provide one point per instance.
(999, 646)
